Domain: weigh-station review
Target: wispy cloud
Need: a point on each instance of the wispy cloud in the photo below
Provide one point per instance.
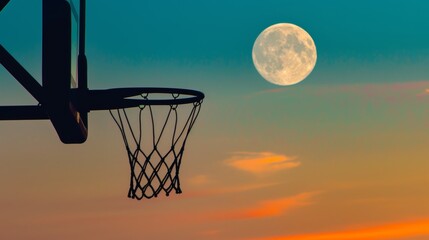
(424, 93)
(230, 189)
(273, 90)
(261, 162)
(243, 188)
(401, 230)
(388, 91)
(269, 208)
(391, 92)
(199, 180)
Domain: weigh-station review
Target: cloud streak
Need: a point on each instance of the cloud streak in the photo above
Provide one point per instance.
(230, 189)
(401, 230)
(261, 162)
(269, 208)
(391, 92)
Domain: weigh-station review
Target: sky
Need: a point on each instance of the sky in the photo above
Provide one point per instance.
(342, 155)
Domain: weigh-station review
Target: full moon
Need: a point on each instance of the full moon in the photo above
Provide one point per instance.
(284, 54)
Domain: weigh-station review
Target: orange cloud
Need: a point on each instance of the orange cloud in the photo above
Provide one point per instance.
(261, 162)
(270, 208)
(243, 188)
(389, 231)
(199, 180)
(229, 189)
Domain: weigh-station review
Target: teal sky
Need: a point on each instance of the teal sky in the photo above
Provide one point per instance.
(361, 38)
(352, 136)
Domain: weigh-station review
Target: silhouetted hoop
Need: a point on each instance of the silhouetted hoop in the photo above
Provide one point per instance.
(154, 124)
(119, 98)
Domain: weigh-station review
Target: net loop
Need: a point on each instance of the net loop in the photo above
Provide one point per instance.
(155, 138)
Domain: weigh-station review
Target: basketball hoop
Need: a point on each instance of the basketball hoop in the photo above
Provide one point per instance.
(154, 126)
(154, 122)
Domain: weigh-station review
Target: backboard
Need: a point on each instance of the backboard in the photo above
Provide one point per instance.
(75, 7)
(3, 3)
(64, 66)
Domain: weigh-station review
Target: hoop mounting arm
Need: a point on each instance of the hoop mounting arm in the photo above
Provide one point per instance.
(23, 113)
(3, 3)
(107, 99)
(21, 75)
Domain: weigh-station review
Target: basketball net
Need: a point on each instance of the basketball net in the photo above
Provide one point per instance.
(155, 138)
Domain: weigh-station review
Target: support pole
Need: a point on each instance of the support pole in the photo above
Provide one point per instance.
(21, 75)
